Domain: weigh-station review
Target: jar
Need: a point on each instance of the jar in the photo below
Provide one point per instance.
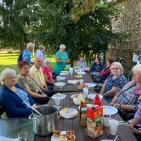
(83, 119)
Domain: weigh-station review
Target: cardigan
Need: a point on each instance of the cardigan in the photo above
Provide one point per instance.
(13, 104)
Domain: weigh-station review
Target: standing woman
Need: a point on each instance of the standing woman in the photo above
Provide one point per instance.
(61, 59)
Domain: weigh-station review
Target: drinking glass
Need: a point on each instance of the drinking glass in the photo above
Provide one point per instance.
(85, 92)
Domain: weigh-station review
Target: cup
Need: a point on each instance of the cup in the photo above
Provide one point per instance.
(85, 92)
(57, 101)
(23, 135)
(58, 78)
(113, 126)
(106, 119)
(71, 71)
(81, 81)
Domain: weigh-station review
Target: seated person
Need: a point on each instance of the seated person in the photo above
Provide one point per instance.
(13, 97)
(115, 81)
(29, 84)
(128, 98)
(48, 74)
(103, 75)
(37, 74)
(134, 126)
(96, 68)
(81, 63)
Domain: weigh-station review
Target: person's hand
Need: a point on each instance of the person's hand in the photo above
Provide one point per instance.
(134, 130)
(112, 104)
(35, 106)
(43, 95)
(117, 105)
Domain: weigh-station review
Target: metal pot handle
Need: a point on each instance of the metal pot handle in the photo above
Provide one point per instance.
(58, 115)
(31, 117)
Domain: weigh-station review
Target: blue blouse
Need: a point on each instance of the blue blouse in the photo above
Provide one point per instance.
(96, 67)
(23, 95)
(119, 82)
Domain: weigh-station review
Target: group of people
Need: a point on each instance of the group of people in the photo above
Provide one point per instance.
(34, 84)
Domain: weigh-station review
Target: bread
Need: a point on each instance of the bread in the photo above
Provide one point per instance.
(68, 136)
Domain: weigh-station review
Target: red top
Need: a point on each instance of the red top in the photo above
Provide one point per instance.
(47, 72)
(106, 72)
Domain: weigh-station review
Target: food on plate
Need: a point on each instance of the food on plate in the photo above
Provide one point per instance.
(77, 99)
(81, 86)
(64, 111)
(56, 133)
(64, 135)
(78, 76)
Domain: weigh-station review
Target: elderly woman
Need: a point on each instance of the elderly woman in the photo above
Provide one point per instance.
(81, 63)
(115, 81)
(61, 59)
(30, 85)
(96, 68)
(103, 75)
(40, 53)
(48, 74)
(13, 98)
(129, 97)
(135, 123)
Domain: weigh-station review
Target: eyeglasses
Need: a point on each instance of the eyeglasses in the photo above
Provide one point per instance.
(114, 68)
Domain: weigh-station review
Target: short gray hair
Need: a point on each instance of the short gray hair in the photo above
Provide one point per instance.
(30, 44)
(118, 64)
(41, 47)
(6, 72)
(47, 62)
(137, 69)
(62, 46)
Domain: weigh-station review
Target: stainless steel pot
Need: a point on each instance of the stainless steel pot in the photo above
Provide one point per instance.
(44, 125)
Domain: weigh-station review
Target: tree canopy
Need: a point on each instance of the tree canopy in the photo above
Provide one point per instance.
(82, 25)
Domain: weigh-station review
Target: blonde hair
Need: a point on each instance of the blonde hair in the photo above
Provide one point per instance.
(118, 64)
(6, 72)
(137, 69)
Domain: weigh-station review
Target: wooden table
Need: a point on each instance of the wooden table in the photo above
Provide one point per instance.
(11, 127)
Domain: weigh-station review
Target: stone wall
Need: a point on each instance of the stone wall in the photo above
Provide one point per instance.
(128, 22)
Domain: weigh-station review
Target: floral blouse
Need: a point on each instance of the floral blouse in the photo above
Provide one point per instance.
(119, 82)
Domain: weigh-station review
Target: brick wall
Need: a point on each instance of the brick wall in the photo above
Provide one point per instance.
(128, 22)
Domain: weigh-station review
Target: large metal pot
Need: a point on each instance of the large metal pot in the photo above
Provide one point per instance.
(44, 125)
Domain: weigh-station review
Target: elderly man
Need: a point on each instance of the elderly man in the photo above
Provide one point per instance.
(40, 53)
(36, 73)
(27, 52)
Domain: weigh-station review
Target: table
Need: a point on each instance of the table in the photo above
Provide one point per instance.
(11, 127)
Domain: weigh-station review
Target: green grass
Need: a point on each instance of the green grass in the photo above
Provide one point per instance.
(9, 60)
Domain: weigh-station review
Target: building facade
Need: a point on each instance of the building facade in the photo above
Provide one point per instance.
(129, 22)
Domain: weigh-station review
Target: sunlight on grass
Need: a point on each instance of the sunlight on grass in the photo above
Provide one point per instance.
(10, 60)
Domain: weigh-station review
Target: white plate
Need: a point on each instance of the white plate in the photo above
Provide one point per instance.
(59, 96)
(109, 110)
(60, 84)
(59, 78)
(68, 112)
(90, 85)
(81, 73)
(92, 96)
(74, 95)
(64, 71)
(73, 82)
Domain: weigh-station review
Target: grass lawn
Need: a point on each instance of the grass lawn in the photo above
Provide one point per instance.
(9, 60)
